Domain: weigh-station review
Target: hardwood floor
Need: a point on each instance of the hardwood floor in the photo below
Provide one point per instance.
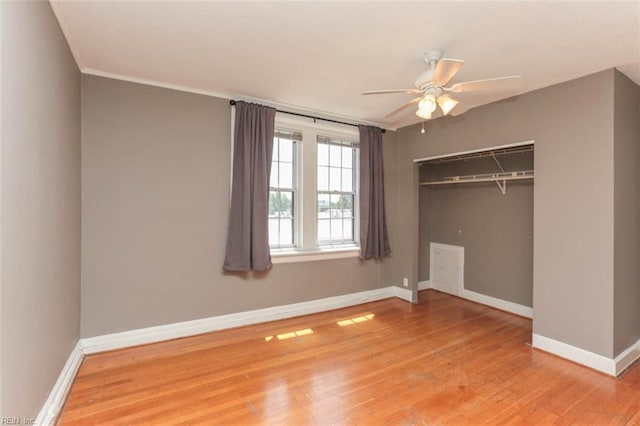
(442, 361)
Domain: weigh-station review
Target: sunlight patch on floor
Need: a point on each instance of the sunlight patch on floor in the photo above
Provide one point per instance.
(290, 334)
(355, 320)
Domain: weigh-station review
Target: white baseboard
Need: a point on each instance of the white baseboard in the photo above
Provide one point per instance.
(403, 293)
(424, 285)
(514, 308)
(613, 367)
(627, 357)
(53, 405)
(575, 354)
(190, 328)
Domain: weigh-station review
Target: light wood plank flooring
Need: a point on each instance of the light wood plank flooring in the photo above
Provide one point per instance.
(442, 361)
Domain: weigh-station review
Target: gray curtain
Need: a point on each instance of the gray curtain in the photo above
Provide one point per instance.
(374, 240)
(248, 235)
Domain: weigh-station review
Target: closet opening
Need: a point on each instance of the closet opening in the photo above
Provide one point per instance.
(475, 218)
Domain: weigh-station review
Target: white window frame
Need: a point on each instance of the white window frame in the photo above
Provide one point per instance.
(356, 200)
(306, 231)
(294, 191)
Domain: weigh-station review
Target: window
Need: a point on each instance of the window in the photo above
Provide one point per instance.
(313, 198)
(282, 189)
(337, 159)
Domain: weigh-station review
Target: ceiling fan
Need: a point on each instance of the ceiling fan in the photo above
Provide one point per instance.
(430, 85)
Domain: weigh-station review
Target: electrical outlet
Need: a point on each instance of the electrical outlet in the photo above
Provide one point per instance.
(405, 282)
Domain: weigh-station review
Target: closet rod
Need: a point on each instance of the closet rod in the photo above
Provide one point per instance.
(489, 177)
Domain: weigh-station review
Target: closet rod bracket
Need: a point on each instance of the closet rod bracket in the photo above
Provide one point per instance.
(503, 185)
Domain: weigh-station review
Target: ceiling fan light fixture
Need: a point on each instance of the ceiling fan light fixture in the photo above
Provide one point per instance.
(447, 103)
(424, 115)
(426, 106)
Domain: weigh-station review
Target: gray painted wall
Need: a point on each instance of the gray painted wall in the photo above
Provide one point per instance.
(495, 230)
(40, 205)
(573, 198)
(155, 201)
(626, 198)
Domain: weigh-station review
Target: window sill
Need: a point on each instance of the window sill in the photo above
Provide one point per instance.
(326, 253)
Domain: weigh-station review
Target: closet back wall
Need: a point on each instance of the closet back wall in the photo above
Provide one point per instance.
(155, 203)
(495, 230)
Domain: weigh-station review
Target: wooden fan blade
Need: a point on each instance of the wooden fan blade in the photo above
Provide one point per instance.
(384, 92)
(458, 110)
(402, 107)
(476, 98)
(445, 70)
(502, 83)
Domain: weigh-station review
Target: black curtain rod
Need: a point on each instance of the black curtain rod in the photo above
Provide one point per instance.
(232, 102)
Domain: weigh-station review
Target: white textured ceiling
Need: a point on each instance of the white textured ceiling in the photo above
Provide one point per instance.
(319, 56)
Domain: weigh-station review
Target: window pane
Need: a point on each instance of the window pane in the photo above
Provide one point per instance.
(323, 178)
(335, 201)
(324, 233)
(323, 154)
(336, 230)
(346, 205)
(336, 224)
(280, 204)
(273, 232)
(273, 179)
(334, 179)
(347, 180)
(274, 156)
(287, 204)
(347, 157)
(273, 203)
(281, 218)
(286, 232)
(323, 206)
(286, 175)
(347, 229)
(286, 150)
(334, 155)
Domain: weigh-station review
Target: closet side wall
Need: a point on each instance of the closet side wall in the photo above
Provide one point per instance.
(626, 199)
(424, 223)
(573, 198)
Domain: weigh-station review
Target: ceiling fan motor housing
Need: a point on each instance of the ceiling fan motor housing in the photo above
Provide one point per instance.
(424, 79)
(431, 57)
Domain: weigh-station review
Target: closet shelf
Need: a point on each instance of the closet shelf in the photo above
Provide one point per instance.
(483, 154)
(486, 177)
